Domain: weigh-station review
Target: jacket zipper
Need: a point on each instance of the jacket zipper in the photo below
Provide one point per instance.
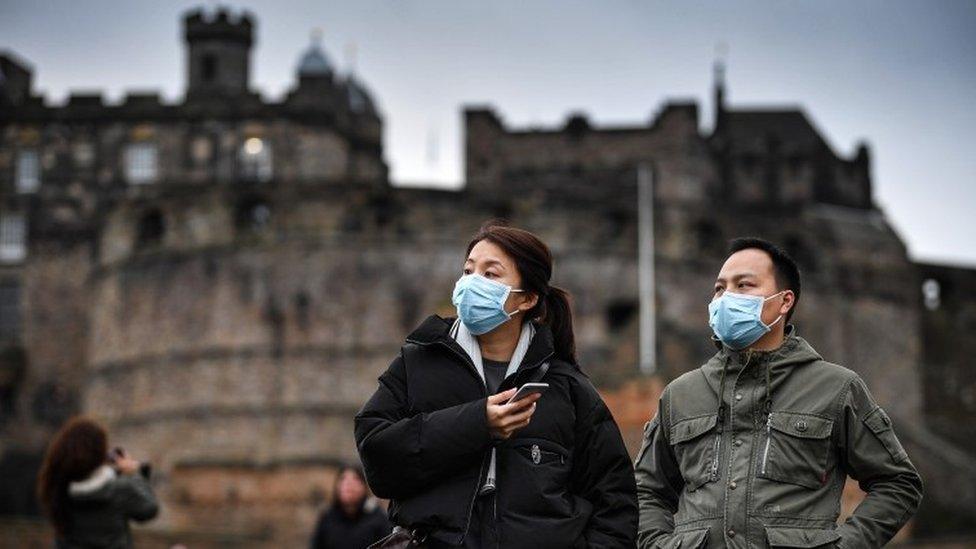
(765, 454)
(474, 497)
(716, 449)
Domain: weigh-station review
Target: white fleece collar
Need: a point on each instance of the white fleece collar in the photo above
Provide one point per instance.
(469, 343)
(95, 481)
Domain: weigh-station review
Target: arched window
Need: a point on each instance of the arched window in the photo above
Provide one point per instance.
(801, 253)
(708, 237)
(10, 321)
(141, 163)
(13, 237)
(255, 160)
(150, 229)
(209, 67)
(28, 171)
(620, 313)
(252, 214)
(932, 294)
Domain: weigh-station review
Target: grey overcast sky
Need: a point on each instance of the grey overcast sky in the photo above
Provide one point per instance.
(899, 75)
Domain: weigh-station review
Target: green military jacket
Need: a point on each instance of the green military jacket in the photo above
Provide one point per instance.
(737, 476)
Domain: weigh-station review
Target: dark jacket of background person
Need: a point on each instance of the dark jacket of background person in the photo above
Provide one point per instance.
(337, 530)
(100, 508)
(564, 481)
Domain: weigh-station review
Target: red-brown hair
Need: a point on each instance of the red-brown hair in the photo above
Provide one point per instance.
(534, 263)
(74, 453)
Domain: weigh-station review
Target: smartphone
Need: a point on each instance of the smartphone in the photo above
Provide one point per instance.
(528, 389)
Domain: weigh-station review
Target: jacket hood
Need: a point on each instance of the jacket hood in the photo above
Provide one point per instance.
(96, 487)
(794, 350)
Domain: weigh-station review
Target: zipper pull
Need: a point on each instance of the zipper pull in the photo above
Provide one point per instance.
(765, 454)
(717, 451)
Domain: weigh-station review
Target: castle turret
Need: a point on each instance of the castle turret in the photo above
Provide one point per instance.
(15, 79)
(218, 53)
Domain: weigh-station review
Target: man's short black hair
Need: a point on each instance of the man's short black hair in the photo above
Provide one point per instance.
(784, 268)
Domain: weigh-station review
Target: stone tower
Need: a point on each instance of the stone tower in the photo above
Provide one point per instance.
(218, 53)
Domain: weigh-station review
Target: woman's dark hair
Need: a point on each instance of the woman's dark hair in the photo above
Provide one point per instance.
(80, 447)
(534, 263)
(356, 470)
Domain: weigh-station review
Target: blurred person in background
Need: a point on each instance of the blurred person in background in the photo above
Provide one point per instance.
(89, 493)
(466, 466)
(354, 520)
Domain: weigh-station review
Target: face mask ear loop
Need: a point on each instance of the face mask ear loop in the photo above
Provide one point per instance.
(516, 311)
(780, 317)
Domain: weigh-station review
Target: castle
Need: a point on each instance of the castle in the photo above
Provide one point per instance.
(221, 280)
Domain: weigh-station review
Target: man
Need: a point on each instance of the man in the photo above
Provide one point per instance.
(765, 464)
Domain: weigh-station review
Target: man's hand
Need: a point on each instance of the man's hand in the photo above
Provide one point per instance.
(505, 419)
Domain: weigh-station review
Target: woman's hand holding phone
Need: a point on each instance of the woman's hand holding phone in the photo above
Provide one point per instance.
(504, 418)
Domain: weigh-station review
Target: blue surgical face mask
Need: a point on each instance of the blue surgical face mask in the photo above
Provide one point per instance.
(736, 319)
(480, 303)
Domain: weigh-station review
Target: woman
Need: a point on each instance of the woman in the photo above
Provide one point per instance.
(466, 468)
(90, 495)
(354, 520)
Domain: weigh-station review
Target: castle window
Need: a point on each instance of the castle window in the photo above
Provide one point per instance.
(796, 164)
(749, 163)
(253, 214)
(28, 171)
(357, 100)
(209, 68)
(201, 150)
(141, 163)
(150, 230)
(255, 160)
(708, 237)
(801, 253)
(13, 237)
(620, 313)
(932, 294)
(84, 154)
(9, 309)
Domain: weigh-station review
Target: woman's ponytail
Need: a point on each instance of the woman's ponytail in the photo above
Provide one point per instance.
(558, 316)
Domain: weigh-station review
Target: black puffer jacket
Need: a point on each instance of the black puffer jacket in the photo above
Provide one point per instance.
(563, 481)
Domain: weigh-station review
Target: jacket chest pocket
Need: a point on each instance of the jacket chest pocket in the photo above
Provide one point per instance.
(539, 462)
(697, 446)
(535, 475)
(794, 449)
